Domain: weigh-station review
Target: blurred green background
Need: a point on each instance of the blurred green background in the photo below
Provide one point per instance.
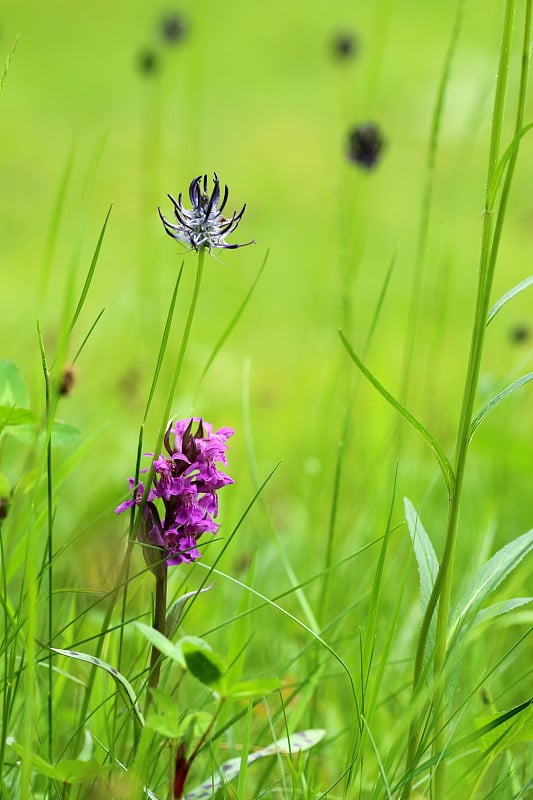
(257, 93)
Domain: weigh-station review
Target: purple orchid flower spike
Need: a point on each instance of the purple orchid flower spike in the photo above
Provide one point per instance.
(182, 505)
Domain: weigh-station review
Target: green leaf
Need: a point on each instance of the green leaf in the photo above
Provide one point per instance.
(63, 434)
(176, 610)
(164, 645)
(498, 609)
(491, 405)
(125, 688)
(90, 273)
(444, 464)
(297, 743)
(68, 771)
(504, 160)
(12, 415)
(428, 564)
(3, 76)
(168, 721)
(485, 581)
(203, 662)
(247, 690)
(518, 728)
(508, 296)
(5, 487)
(13, 390)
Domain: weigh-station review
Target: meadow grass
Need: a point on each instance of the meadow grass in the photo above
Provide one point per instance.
(359, 624)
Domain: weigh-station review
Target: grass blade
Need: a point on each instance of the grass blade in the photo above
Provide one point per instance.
(428, 564)
(445, 466)
(90, 273)
(508, 296)
(495, 401)
(485, 581)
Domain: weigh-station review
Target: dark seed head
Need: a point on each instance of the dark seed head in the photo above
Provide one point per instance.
(173, 28)
(68, 379)
(365, 144)
(345, 45)
(4, 507)
(147, 62)
(520, 333)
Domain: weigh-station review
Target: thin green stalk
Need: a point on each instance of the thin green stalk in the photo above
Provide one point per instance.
(489, 253)
(177, 371)
(159, 624)
(489, 248)
(427, 196)
(50, 553)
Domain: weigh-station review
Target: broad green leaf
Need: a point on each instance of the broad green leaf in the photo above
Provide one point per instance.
(63, 434)
(497, 609)
(428, 564)
(247, 690)
(440, 455)
(164, 645)
(13, 390)
(203, 662)
(69, 771)
(12, 415)
(297, 743)
(125, 688)
(176, 610)
(491, 405)
(168, 720)
(507, 296)
(485, 581)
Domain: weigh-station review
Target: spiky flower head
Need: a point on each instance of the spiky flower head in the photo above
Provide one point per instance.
(183, 502)
(203, 225)
(365, 145)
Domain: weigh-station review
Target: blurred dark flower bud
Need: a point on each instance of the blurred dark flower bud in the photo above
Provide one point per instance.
(173, 28)
(365, 144)
(147, 62)
(68, 379)
(520, 333)
(345, 45)
(4, 507)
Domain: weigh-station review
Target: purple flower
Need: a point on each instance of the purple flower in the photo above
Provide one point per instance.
(183, 502)
(203, 224)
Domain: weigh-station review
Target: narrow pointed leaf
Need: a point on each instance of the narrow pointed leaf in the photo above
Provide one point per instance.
(491, 405)
(177, 608)
(428, 564)
(508, 296)
(92, 267)
(486, 580)
(247, 690)
(498, 609)
(125, 688)
(440, 455)
(297, 743)
(164, 645)
(69, 771)
(504, 160)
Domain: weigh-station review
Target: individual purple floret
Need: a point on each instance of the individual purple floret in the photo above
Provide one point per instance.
(203, 224)
(183, 502)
